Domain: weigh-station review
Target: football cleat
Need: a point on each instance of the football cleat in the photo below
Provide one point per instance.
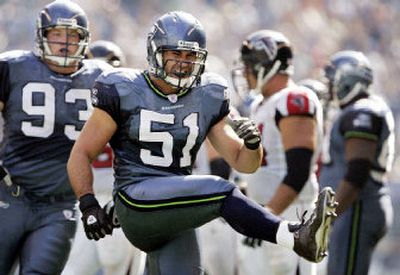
(311, 236)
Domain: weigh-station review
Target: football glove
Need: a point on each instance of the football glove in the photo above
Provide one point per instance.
(247, 130)
(96, 222)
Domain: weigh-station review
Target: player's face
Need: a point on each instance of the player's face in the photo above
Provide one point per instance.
(179, 64)
(63, 42)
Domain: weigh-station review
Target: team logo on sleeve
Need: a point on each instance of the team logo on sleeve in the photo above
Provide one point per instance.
(363, 120)
(297, 103)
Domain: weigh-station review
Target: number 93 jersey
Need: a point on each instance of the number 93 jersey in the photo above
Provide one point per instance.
(157, 134)
(44, 113)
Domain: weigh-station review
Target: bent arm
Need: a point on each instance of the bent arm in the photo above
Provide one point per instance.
(233, 150)
(97, 131)
(361, 151)
(298, 133)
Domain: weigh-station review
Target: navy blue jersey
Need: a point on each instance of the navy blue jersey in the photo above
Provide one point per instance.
(368, 118)
(157, 135)
(44, 113)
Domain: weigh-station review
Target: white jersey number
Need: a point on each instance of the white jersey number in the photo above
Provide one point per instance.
(48, 109)
(165, 138)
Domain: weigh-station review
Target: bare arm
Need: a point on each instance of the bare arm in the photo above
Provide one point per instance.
(355, 148)
(296, 132)
(233, 150)
(94, 136)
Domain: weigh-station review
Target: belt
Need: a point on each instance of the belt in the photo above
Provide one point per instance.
(17, 191)
(49, 198)
(5, 176)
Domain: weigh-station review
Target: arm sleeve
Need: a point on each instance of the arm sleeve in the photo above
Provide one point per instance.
(106, 97)
(295, 103)
(361, 124)
(4, 81)
(298, 162)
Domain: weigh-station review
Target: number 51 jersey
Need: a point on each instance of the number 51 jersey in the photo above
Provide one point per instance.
(44, 113)
(157, 135)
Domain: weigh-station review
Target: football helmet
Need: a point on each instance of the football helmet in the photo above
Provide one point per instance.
(62, 14)
(178, 31)
(349, 75)
(266, 53)
(319, 88)
(107, 51)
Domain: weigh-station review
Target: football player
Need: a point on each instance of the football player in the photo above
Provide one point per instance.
(156, 121)
(289, 117)
(45, 100)
(114, 255)
(361, 154)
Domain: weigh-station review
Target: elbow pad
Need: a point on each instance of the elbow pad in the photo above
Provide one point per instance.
(358, 172)
(298, 162)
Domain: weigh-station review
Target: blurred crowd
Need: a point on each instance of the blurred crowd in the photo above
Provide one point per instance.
(316, 28)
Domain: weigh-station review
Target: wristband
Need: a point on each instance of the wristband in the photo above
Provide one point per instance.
(87, 201)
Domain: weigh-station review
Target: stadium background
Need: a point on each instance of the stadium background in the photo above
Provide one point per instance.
(316, 28)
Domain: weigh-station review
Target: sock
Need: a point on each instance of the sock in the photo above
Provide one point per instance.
(284, 237)
(249, 218)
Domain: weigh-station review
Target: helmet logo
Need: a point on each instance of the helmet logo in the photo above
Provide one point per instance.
(67, 21)
(268, 46)
(188, 44)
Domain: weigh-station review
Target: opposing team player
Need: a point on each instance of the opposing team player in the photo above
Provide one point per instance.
(290, 120)
(114, 255)
(156, 121)
(361, 155)
(45, 100)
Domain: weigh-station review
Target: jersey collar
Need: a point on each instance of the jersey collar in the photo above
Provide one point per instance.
(158, 92)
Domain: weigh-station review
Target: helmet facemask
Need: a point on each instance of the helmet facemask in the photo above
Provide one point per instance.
(64, 15)
(176, 32)
(184, 73)
(69, 59)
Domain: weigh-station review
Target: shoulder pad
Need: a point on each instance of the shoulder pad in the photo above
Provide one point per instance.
(296, 100)
(213, 79)
(119, 75)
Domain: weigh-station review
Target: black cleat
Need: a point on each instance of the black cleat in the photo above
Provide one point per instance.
(311, 236)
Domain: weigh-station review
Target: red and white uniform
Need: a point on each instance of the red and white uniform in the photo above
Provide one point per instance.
(267, 112)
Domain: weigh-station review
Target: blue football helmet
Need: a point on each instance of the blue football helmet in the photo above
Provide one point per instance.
(178, 31)
(62, 14)
(349, 76)
(107, 51)
(266, 53)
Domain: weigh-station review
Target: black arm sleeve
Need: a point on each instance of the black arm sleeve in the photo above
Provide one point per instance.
(298, 162)
(4, 81)
(358, 172)
(219, 167)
